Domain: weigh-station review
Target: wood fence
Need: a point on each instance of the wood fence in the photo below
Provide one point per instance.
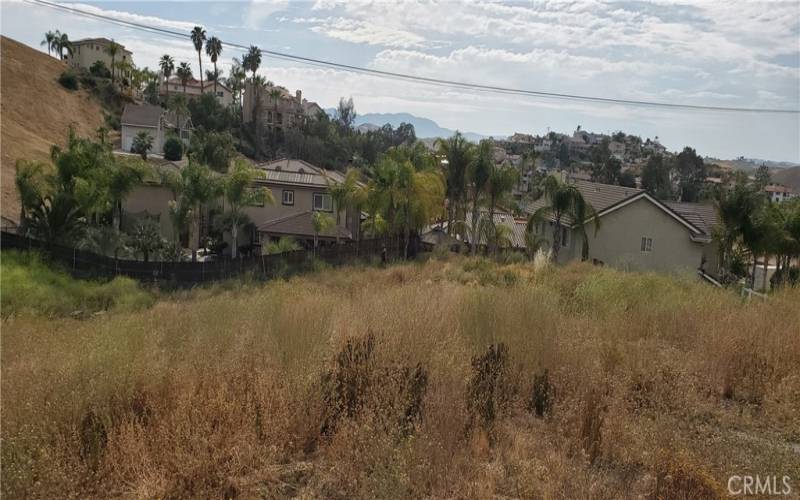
(85, 264)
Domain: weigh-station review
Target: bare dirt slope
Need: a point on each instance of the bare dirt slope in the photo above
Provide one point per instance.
(36, 112)
(788, 177)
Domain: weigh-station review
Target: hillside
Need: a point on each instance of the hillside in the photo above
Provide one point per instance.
(789, 177)
(425, 128)
(381, 383)
(36, 112)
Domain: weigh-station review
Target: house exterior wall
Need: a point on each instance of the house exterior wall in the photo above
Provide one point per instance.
(85, 54)
(224, 96)
(618, 241)
(130, 131)
(155, 201)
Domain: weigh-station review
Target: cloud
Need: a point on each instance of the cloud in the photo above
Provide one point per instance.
(138, 18)
(357, 31)
(258, 11)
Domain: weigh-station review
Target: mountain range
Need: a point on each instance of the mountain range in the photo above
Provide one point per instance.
(425, 128)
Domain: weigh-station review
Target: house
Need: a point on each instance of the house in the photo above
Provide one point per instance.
(300, 189)
(654, 146)
(90, 50)
(150, 201)
(276, 108)
(520, 138)
(637, 231)
(617, 150)
(777, 193)
(193, 90)
(154, 120)
(512, 232)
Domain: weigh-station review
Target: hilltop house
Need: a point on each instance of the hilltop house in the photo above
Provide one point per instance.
(192, 91)
(276, 108)
(90, 50)
(637, 231)
(777, 193)
(154, 120)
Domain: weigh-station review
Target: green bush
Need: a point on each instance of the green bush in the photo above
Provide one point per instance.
(99, 69)
(69, 80)
(173, 149)
(30, 286)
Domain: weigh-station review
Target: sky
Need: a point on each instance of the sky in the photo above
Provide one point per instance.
(732, 54)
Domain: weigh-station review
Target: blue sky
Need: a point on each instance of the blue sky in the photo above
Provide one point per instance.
(743, 54)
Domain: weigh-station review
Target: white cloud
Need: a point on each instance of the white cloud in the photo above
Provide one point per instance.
(258, 11)
(137, 18)
(357, 31)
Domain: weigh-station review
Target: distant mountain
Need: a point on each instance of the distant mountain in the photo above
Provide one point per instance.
(423, 127)
(789, 177)
(750, 164)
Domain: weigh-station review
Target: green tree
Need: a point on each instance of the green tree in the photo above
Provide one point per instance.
(283, 245)
(345, 194)
(113, 50)
(198, 36)
(173, 148)
(215, 149)
(692, 174)
(192, 188)
(184, 73)
(214, 50)
(167, 65)
(178, 105)
(321, 223)
(252, 60)
(142, 143)
(762, 177)
(457, 152)
(62, 43)
(48, 40)
(563, 200)
(478, 177)
(501, 181)
(146, 239)
(655, 177)
(239, 192)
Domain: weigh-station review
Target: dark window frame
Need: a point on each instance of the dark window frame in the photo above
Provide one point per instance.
(314, 204)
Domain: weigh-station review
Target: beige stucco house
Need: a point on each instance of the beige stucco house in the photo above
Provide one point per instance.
(637, 232)
(276, 108)
(90, 50)
(155, 121)
(193, 90)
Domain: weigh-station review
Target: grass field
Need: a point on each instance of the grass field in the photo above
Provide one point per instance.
(448, 379)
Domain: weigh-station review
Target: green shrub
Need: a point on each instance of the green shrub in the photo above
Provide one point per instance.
(173, 149)
(69, 80)
(33, 287)
(100, 70)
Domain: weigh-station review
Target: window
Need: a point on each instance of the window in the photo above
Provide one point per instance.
(564, 237)
(219, 93)
(287, 197)
(323, 202)
(647, 244)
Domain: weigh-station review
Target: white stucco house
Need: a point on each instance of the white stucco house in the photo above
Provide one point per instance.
(154, 120)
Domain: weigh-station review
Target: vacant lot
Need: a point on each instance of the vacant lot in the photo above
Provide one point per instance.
(458, 379)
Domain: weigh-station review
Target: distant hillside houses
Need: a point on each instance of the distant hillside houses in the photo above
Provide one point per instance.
(276, 108)
(193, 90)
(88, 51)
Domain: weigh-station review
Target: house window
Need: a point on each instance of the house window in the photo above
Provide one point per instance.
(647, 244)
(219, 93)
(288, 197)
(323, 202)
(255, 237)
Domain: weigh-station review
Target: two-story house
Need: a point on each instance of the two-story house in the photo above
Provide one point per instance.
(276, 108)
(90, 50)
(156, 122)
(193, 90)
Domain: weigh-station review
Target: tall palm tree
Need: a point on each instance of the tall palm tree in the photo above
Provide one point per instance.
(113, 50)
(252, 60)
(238, 194)
(213, 50)
(478, 173)
(62, 43)
(457, 151)
(49, 37)
(563, 200)
(501, 181)
(198, 38)
(345, 194)
(184, 72)
(167, 65)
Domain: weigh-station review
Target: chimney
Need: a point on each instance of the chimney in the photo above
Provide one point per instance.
(299, 95)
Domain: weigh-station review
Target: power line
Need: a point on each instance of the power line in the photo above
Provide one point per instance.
(418, 79)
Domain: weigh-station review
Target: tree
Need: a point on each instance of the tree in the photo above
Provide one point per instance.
(238, 193)
(113, 50)
(563, 200)
(252, 60)
(655, 177)
(479, 173)
(62, 43)
(500, 183)
(283, 245)
(214, 50)
(215, 149)
(198, 38)
(762, 177)
(236, 78)
(321, 223)
(197, 185)
(346, 114)
(146, 239)
(691, 172)
(123, 177)
(167, 65)
(142, 144)
(457, 153)
(345, 194)
(178, 105)
(173, 148)
(49, 37)
(736, 210)
(184, 72)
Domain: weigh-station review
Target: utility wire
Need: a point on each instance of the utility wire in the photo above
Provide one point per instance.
(414, 78)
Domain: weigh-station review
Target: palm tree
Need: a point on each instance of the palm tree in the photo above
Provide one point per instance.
(478, 173)
(198, 38)
(125, 175)
(184, 72)
(167, 65)
(736, 209)
(49, 37)
(275, 95)
(563, 200)
(252, 60)
(321, 222)
(179, 106)
(457, 151)
(62, 43)
(198, 185)
(213, 50)
(501, 182)
(345, 194)
(113, 50)
(238, 194)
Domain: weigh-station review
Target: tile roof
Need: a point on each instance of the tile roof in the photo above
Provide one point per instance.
(288, 171)
(702, 216)
(301, 224)
(501, 218)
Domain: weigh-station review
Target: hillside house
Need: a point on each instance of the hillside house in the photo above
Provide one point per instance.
(154, 120)
(777, 193)
(192, 91)
(276, 108)
(90, 50)
(638, 232)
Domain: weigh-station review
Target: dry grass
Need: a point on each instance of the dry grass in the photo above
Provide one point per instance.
(413, 381)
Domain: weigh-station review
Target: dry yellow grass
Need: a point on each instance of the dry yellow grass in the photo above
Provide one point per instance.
(368, 383)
